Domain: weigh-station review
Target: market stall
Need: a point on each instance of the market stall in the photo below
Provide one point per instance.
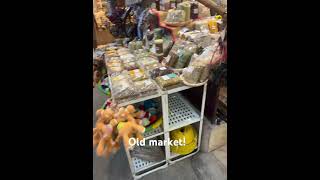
(147, 76)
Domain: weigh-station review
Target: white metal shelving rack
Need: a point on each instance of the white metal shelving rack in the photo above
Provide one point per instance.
(177, 112)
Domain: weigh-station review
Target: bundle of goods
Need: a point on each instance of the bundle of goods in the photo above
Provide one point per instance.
(180, 54)
(160, 71)
(187, 133)
(123, 51)
(114, 125)
(123, 87)
(203, 11)
(129, 61)
(114, 66)
(148, 63)
(135, 45)
(202, 39)
(146, 87)
(200, 66)
(137, 75)
(176, 18)
(186, 7)
(168, 81)
(111, 52)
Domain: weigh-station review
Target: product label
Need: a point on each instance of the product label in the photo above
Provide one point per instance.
(163, 68)
(195, 11)
(172, 75)
(165, 77)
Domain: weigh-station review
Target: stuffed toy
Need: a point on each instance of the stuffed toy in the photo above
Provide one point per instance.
(127, 131)
(105, 116)
(127, 123)
(106, 144)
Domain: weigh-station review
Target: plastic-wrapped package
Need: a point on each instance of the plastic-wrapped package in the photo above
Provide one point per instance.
(203, 11)
(182, 32)
(205, 73)
(152, 66)
(122, 86)
(132, 46)
(127, 58)
(114, 66)
(175, 16)
(130, 65)
(202, 39)
(205, 57)
(185, 55)
(177, 53)
(160, 71)
(201, 26)
(184, 59)
(186, 7)
(146, 86)
(137, 74)
(111, 53)
(168, 80)
(172, 60)
(147, 61)
(101, 47)
(123, 51)
(200, 66)
(192, 74)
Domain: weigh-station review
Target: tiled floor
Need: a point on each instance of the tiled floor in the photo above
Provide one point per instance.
(202, 166)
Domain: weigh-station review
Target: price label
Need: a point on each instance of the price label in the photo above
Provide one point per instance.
(165, 77)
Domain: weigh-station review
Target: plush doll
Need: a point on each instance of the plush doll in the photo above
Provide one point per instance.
(128, 114)
(127, 131)
(106, 144)
(126, 122)
(105, 116)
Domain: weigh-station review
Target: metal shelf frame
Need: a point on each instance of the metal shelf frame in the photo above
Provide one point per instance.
(177, 112)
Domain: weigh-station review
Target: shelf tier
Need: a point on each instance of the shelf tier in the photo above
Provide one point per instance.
(181, 113)
(174, 155)
(155, 132)
(141, 99)
(140, 165)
